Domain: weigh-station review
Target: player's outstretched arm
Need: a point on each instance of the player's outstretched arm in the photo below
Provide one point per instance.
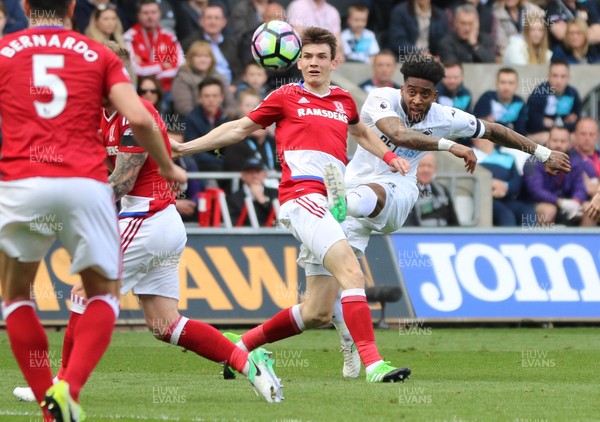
(555, 161)
(127, 168)
(367, 139)
(227, 134)
(127, 102)
(394, 129)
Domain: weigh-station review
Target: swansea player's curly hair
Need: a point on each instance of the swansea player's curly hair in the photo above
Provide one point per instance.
(422, 67)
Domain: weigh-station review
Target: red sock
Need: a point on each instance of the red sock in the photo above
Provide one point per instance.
(206, 341)
(68, 344)
(282, 325)
(29, 344)
(91, 338)
(358, 319)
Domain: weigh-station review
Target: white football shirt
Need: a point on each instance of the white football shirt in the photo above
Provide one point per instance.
(440, 122)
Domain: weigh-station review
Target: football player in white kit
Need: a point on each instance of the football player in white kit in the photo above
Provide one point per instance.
(410, 123)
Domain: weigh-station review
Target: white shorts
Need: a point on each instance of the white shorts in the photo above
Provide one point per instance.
(400, 199)
(152, 248)
(309, 220)
(81, 212)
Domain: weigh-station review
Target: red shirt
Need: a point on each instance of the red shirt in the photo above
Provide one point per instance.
(52, 82)
(151, 192)
(311, 130)
(158, 53)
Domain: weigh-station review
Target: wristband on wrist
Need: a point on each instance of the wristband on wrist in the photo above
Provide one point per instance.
(445, 144)
(542, 153)
(388, 157)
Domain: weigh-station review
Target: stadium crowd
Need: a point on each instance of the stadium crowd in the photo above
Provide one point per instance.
(192, 60)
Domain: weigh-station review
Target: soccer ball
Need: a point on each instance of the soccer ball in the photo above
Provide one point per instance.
(275, 45)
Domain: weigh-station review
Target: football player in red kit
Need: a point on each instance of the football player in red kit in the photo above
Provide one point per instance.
(312, 121)
(53, 83)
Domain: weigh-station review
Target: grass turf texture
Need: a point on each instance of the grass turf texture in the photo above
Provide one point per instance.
(517, 375)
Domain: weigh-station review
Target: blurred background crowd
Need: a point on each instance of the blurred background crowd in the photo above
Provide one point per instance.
(192, 60)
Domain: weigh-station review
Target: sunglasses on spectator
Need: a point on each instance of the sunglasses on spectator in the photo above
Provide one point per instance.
(148, 91)
(102, 7)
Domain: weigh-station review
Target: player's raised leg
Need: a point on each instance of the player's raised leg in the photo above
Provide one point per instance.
(163, 318)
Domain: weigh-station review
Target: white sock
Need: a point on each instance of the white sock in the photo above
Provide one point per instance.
(372, 367)
(242, 346)
(339, 323)
(361, 201)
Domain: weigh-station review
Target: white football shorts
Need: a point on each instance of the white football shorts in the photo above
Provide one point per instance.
(400, 199)
(309, 220)
(81, 212)
(152, 249)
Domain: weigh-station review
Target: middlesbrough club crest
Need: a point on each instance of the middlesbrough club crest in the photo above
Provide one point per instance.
(339, 107)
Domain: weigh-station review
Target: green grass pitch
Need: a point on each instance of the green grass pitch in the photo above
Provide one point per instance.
(516, 375)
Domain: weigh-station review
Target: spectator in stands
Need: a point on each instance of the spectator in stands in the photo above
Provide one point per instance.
(451, 91)
(558, 198)
(384, 66)
(105, 25)
(553, 103)
(467, 44)
(435, 207)
(532, 46)
(255, 77)
(503, 105)
(512, 16)
(575, 47)
(416, 27)
(359, 44)
(260, 144)
(507, 210)
(84, 10)
(304, 13)
(205, 117)
(199, 64)
(186, 202)
(247, 15)
(584, 154)
(15, 19)
(154, 50)
(253, 176)
(187, 16)
(558, 13)
(212, 24)
(149, 88)
(585, 139)
(487, 21)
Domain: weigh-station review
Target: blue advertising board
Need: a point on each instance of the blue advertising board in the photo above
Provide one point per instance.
(501, 275)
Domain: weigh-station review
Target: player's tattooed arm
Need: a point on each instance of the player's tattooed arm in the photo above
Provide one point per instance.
(394, 129)
(504, 136)
(555, 161)
(126, 170)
